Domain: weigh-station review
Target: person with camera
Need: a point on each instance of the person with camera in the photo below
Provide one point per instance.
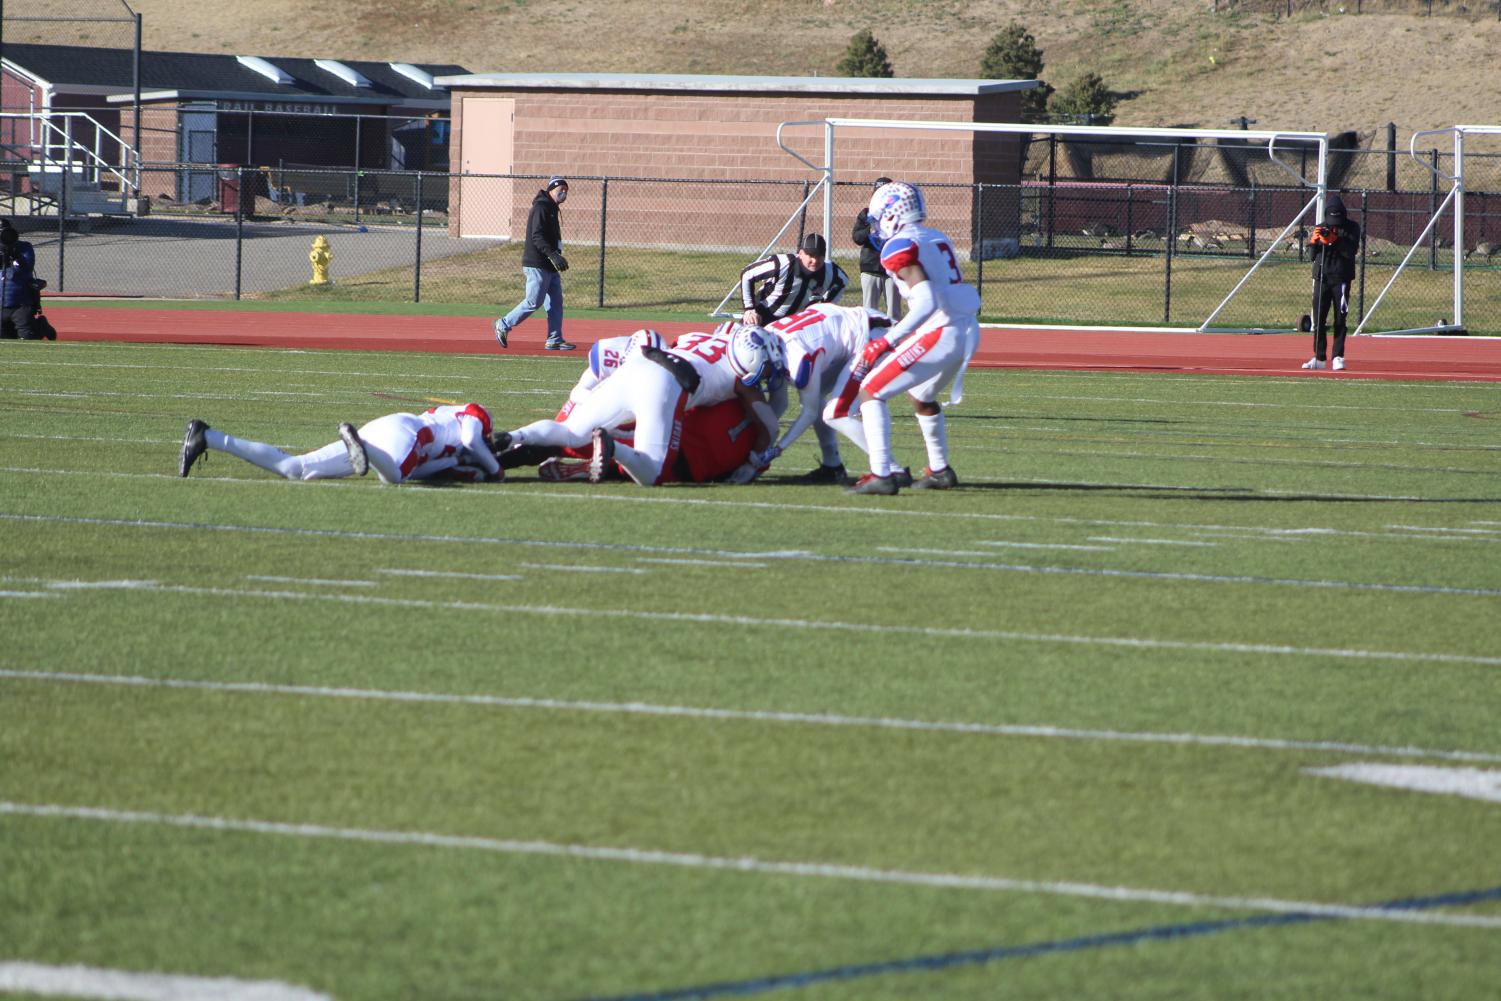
(1333, 246)
(18, 294)
(542, 265)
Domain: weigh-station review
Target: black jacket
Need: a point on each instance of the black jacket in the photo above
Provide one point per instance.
(1335, 262)
(544, 234)
(870, 254)
(16, 274)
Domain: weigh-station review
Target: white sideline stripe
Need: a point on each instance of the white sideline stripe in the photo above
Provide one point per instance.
(945, 632)
(1459, 531)
(571, 568)
(748, 864)
(397, 572)
(757, 716)
(919, 551)
(1149, 542)
(1471, 783)
(29, 594)
(310, 580)
(1204, 578)
(124, 985)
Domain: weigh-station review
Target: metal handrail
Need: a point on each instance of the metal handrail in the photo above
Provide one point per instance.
(90, 158)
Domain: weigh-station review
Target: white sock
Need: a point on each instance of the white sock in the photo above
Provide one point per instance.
(638, 465)
(268, 457)
(936, 436)
(853, 429)
(878, 435)
(331, 462)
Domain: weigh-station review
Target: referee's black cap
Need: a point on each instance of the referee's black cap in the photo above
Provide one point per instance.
(815, 245)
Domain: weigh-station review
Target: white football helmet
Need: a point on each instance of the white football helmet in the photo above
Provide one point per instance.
(750, 354)
(895, 205)
(645, 339)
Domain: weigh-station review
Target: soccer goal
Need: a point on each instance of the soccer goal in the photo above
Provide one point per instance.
(835, 131)
(1454, 203)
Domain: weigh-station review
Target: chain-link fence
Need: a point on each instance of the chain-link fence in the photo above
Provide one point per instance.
(1048, 251)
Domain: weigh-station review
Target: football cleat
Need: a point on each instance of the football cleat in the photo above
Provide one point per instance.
(902, 475)
(944, 479)
(825, 474)
(193, 445)
(560, 470)
(358, 460)
(870, 483)
(603, 457)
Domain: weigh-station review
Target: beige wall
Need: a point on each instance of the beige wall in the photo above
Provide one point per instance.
(729, 137)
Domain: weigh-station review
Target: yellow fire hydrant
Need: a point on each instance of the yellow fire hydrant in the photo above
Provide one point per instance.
(320, 256)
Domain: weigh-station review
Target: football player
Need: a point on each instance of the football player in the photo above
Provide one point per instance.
(925, 352)
(441, 441)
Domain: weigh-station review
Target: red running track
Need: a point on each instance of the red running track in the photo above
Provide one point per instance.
(1436, 358)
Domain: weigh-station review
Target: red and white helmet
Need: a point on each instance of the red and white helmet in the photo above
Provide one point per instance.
(895, 205)
(645, 338)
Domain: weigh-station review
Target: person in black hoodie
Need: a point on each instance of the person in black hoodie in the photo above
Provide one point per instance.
(542, 264)
(875, 283)
(18, 295)
(1333, 246)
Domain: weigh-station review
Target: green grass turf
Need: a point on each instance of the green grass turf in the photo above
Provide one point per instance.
(1314, 560)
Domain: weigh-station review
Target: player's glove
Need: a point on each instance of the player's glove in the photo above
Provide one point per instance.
(874, 350)
(558, 261)
(743, 474)
(769, 456)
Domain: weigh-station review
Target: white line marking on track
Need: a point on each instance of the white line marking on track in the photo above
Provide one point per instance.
(310, 580)
(398, 572)
(759, 716)
(1206, 578)
(125, 985)
(748, 864)
(1149, 542)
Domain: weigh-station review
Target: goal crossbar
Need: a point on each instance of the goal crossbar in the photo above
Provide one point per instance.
(1099, 132)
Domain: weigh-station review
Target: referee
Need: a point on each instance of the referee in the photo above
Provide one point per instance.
(783, 284)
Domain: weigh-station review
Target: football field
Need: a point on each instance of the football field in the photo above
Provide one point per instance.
(1190, 691)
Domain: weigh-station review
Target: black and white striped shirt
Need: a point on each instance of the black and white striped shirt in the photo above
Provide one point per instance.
(777, 286)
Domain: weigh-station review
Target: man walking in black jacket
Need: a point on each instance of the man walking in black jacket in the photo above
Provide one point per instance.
(542, 264)
(1333, 246)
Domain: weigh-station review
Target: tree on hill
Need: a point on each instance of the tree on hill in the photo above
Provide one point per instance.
(1013, 55)
(864, 57)
(1085, 101)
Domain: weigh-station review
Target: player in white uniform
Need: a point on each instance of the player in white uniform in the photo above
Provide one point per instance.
(928, 350)
(604, 358)
(654, 388)
(400, 447)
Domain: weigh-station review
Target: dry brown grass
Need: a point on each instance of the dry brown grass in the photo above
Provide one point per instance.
(1187, 65)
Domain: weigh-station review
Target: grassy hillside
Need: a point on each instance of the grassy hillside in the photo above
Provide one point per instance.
(1183, 63)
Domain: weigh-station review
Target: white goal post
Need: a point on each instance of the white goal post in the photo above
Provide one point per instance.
(830, 126)
(1456, 198)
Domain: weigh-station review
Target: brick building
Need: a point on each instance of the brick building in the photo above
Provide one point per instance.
(720, 130)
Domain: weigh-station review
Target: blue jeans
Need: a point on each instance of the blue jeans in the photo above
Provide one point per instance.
(542, 288)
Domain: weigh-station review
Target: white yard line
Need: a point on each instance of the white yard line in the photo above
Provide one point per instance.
(1154, 575)
(748, 864)
(1044, 545)
(398, 572)
(310, 580)
(735, 564)
(758, 716)
(125, 985)
(572, 568)
(1149, 542)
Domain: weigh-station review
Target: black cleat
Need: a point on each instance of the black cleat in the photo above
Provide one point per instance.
(603, 458)
(193, 445)
(357, 457)
(944, 479)
(825, 474)
(870, 483)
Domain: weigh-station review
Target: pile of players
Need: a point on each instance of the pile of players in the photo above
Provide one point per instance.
(708, 407)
